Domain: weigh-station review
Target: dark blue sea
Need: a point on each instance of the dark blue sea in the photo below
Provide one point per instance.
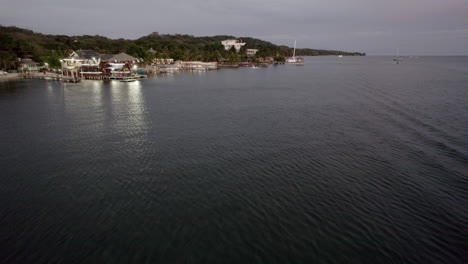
(342, 160)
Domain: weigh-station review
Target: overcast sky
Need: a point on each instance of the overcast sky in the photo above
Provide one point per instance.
(377, 27)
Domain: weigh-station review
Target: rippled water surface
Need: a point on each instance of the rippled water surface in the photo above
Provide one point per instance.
(351, 160)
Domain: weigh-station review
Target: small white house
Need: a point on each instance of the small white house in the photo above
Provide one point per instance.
(251, 52)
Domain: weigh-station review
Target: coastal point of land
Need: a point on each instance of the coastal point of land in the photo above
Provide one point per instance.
(100, 58)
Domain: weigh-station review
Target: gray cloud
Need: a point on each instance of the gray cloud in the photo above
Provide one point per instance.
(419, 27)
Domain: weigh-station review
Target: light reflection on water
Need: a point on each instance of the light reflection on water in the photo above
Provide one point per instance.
(108, 108)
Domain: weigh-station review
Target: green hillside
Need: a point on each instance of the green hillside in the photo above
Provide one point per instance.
(21, 43)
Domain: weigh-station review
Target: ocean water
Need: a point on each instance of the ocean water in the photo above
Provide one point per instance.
(343, 160)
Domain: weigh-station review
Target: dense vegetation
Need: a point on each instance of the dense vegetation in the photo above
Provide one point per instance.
(22, 43)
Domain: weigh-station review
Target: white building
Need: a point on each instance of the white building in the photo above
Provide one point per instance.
(236, 43)
(82, 64)
(251, 52)
(81, 58)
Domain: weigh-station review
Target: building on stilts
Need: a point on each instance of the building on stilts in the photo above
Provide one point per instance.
(119, 66)
(90, 65)
(82, 64)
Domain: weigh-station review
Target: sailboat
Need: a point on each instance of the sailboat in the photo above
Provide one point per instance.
(295, 60)
(398, 59)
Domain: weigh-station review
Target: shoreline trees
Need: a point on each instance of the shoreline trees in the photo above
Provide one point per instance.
(22, 43)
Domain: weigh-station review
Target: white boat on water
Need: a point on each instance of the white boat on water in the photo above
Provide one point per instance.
(398, 59)
(128, 80)
(295, 60)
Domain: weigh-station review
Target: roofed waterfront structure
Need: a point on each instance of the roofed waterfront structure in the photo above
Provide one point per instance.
(73, 61)
(158, 61)
(119, 66)
(81, 58)
(89, 64)
(82, 64)
(28, 65)
(121, 57)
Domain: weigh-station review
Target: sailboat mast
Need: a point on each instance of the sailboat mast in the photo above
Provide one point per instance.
(294, 52)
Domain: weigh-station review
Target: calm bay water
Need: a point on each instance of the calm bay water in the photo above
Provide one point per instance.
(351, 160)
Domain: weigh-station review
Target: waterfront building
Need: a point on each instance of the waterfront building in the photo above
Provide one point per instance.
(198, 65)
(71, 67)
(168, 67)
(158, 61)
(251, 52)
(269, 59)
(82, 64)
(28, 65)
(165, 65)
(90, 65)
(236, 43)
(119, 66)
(73, 61)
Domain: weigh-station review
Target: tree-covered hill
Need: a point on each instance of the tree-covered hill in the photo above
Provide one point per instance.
(21, 43)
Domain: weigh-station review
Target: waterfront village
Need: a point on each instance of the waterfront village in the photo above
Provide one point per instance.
(91, 65)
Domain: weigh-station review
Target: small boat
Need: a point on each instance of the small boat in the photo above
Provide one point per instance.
(128, 80)
(340, 56)
(295, 60)
(398, 59)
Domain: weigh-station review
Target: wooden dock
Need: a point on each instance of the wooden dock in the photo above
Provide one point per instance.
(49, 76)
